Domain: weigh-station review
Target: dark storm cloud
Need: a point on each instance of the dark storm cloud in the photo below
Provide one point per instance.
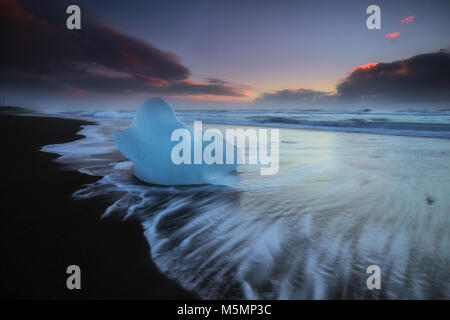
(422, 78)
(133, 84)
(37, 39)
(38, 51)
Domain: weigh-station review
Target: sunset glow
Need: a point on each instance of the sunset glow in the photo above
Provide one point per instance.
(408, 20)
(392, 35)
(366, 66)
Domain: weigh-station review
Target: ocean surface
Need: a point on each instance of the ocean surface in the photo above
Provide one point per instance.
(354, 189)
(422, 123)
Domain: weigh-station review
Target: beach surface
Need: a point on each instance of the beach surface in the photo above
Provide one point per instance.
(341, 202)
(43, 230)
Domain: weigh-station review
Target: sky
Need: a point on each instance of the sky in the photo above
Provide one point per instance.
(216, 53)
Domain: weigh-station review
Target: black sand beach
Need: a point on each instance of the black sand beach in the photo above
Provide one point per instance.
(43, 230)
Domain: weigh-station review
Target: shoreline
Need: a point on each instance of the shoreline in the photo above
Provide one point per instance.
(44, 230)
(360, 182)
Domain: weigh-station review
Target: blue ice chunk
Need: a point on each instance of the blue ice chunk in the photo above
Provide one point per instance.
(147, 143)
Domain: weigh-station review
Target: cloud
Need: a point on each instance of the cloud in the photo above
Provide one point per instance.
(211, 87)
(39, 53)
(408, 20)
(365, 66)
(295, 97)
(152, 81)
(421, 78)
(392, 35)
(38, 40)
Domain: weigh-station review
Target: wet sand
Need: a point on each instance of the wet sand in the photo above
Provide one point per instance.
(43, 230)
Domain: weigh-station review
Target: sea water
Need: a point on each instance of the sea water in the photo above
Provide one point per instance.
(340, 202)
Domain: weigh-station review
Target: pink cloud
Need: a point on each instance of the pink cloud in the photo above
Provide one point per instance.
(408, 20)
(365, 66)
(152, 81)
(392, 35)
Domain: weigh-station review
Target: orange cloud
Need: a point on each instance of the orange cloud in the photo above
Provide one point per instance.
(210, 97)
(392, 35)
(152, 81)
(365, 66)
(191, 82)
(402, 69)
(408, 20)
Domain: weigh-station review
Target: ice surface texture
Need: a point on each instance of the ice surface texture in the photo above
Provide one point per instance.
(147, 143)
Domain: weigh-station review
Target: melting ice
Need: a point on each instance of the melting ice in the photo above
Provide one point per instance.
(147, 143)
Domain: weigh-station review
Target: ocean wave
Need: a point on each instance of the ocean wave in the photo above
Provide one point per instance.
(107, 114)
(377, 126)
(413, 123)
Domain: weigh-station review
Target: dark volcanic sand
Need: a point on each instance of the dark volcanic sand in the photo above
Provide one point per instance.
(42, 230)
